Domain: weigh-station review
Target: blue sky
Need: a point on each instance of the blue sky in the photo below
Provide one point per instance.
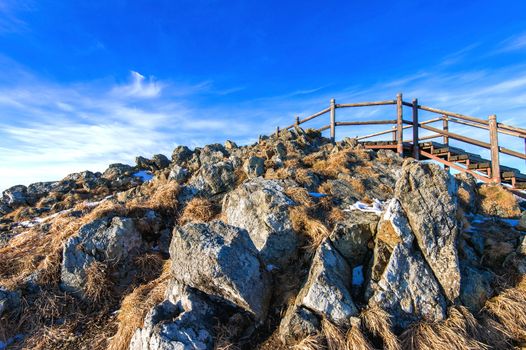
(86, 84)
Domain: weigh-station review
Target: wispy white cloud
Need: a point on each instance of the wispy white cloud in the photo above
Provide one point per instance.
(140, 87)
(514, 43)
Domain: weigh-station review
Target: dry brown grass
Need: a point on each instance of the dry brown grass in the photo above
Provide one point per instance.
(458, 331)
(335, 164)
(496, 200)
(240, 175)
(278, 174)
(378, 322)
(334, 336)
(311, 342)
(356, 340)
(99, 285)
(198, 210)
(304, 177)
(358, 186)
(164, 196)
(300, 195)
(312, 228)
(336, 215)
(149, 266)
(387, 234)
(508, 308)
(367, 172)
(135, 306)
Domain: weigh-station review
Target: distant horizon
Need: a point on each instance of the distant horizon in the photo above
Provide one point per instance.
(87, 85)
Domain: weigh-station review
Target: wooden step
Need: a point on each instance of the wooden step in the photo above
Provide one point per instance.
(481, 165)
(442, 150)
(458, 157)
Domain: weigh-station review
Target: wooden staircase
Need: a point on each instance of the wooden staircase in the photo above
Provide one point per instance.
(419, 146)
(456, 158)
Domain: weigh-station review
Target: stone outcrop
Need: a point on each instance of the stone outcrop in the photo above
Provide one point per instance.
(402, 283)
(213, 178)
(428, 196)
(261, 207)
(326, 291)
(254, 167)
(221, 260)
(110, 240)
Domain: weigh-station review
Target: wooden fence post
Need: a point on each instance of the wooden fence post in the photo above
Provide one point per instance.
(277, 131)
(394, 133)
(445, 127)
(494, 142)
(333, 120)
(399, 126)
(297, 120)
(416, 146)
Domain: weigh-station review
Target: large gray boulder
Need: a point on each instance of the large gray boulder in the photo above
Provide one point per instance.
(428, 196)
(15, 196)
(254, 167)
(261, 207)
(476, 286)
(212, 153)
(221, 260)
(402, 282)
(111, 240)
(181, 154)
(352, 235)
(182, 321)
(213, 178)
(326, 291)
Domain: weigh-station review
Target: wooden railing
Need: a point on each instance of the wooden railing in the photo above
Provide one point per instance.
(401, 124)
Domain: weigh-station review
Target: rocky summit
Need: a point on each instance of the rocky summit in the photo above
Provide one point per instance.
(293, 242)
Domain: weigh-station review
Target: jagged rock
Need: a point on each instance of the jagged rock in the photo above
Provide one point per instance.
(467, 191)
(350, 237)
(281, 150)
(402, 283)
(213, 178)
(182, 321)
(112, 240)
(181, 154)
(117, 170)
(230, 145)
(221, 260)
(39, 190)
(254, 167)
(428, 196)
(261, 207)
(178, 173)
(297, 324)
(475, 286)
(521, 249)
(15, 196)
(9, 301)
(212, 153)
(160, 161)
(326, 291)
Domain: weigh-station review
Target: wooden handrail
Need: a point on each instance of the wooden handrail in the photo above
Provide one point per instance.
(400, 124)
(366, 104)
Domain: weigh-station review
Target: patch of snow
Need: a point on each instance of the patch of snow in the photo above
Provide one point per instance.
(376, 207)
(357, 276)
(144, 175)
(317, 195)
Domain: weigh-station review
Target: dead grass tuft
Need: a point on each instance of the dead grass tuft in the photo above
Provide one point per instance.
(458, 331)
(304, 177)
(99, 285)
(240, 175)
(135, 306)
(300, 195)
(507, 308)
(312, 228)
(311, 342)
(356, 340)
(334, 336)
(497, 201)
(336, 215)
(336, 164)
(149, 266)
(378, 322)
(198, 210)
